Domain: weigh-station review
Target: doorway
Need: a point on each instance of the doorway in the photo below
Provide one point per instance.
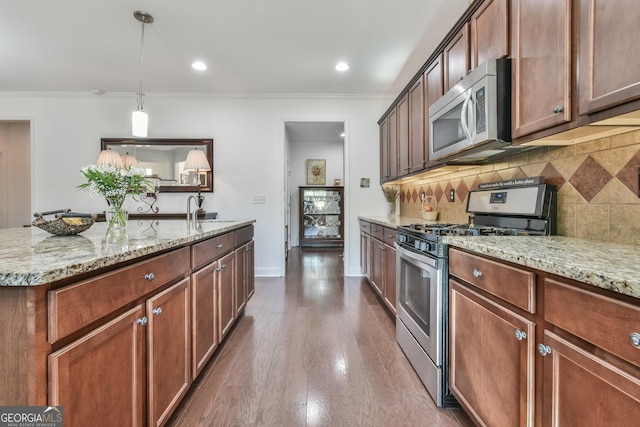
(310, 140)
(15, 173)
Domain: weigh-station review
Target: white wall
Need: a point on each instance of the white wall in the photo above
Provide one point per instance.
(249, 152)
(300, 151)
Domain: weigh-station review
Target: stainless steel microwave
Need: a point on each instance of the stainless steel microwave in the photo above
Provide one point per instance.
(471, 123)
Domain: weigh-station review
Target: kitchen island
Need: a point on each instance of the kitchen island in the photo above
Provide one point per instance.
(120, 321)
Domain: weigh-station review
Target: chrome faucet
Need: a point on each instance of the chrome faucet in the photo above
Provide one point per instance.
(191, 216)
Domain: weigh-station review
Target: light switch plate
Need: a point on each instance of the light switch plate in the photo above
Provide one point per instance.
(258, 199)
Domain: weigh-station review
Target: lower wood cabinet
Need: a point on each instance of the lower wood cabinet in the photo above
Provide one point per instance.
(168, 351)
(92, 388)
(135, 366)
(378, 260)
(376, 277)
(491, 359)
(567, 354)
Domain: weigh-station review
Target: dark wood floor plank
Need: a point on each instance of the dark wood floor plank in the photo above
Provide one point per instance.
(312, 349)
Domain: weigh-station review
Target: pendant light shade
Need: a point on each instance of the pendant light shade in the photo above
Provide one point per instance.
(140, 119)
(139, 123)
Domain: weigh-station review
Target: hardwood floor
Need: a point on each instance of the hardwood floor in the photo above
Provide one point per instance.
(314, 348)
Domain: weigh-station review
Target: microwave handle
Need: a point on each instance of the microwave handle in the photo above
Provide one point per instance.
(472, 109)
(464, 115)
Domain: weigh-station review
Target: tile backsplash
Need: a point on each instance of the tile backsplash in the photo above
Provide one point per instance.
(597, 185)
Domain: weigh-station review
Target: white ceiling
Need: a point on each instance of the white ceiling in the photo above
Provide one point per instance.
(250, 46)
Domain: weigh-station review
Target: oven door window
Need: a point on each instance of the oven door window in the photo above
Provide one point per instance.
(415, 296)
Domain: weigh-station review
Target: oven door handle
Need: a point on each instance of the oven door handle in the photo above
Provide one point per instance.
(414, 258)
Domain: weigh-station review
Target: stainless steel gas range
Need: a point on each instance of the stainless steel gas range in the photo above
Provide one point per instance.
(422, 271)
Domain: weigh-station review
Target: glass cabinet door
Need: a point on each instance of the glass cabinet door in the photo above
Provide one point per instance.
(321, 216)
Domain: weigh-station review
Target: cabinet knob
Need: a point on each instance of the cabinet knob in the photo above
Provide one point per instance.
(142, 322)
(157, 311)
(149, 276)
(544, 349)
(477, 273)
(520, 335)
(219, 246)
(217, 269)
(634, 338)
(558, 109)
(223, 266)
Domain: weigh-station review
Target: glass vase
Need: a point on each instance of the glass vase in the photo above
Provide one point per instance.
(117, 217)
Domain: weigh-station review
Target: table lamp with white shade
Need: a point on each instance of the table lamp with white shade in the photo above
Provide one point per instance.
(197, 161)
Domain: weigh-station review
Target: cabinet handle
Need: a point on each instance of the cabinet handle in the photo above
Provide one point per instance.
(157, 311)
(223, 266)
(142, 322)
(219, 246)
(149, 276)
(634, 338)
(544, 349)
(218, 269)
(558, 109)
(477, 273)
(520, 335)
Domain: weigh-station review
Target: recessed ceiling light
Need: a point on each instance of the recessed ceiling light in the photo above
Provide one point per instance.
(342, 134)
(342, 66)
(200, 66)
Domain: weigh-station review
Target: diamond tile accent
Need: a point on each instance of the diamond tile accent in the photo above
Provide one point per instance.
(519, 174)
(552, 176)
(462, 192)
(476, 183)
(628, 175)
(429, 191)
(437, 192)
(402, 196)
(590, 178)
(414, 195)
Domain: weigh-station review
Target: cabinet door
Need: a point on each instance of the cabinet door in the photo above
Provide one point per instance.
(433, 90)
(225, 287)
(609, 62)
(240, 288)
(377, 259)
(364, 254)
(416, 126)
(390, 277)
(541, 65)
(103, 374)
(385, 173)
(403, 135)
(393, 144)
(251, 270)
(169, 351)
(490, 32)
(204, 317)
(583, 390)
(456, 58)
(491, 370)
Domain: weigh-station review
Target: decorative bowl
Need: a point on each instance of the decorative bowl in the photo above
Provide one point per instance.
(65, 223)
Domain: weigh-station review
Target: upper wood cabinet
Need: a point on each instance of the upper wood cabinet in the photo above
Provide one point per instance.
(385, 173)
(393, 144)
(541, 65)
(433, 90)
(417, 152)
(609, 62)
(490, 32)
(402, 118)
(456, 58)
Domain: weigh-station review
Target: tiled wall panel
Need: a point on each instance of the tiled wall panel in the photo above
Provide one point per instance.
(597, 186)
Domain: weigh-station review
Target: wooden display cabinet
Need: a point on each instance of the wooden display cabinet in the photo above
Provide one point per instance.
(321, 216)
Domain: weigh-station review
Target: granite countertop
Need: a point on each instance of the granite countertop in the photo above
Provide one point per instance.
(30, 256)
(607, 265)
(391, 221)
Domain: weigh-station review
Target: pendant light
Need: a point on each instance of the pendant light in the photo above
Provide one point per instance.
(140, 119)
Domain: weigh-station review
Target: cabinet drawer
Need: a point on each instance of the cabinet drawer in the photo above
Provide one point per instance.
(600, 320)
(365, 226)
(514, 285)
(76, 306)
(377, 231)
(208, 250)
(243, 235)
(389, 236)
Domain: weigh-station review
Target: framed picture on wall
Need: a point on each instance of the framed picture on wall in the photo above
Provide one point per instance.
(316, 171)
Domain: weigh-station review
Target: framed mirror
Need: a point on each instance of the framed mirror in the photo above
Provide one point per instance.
(163, 160)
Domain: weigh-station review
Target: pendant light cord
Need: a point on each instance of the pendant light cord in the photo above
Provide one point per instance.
(140, 94)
